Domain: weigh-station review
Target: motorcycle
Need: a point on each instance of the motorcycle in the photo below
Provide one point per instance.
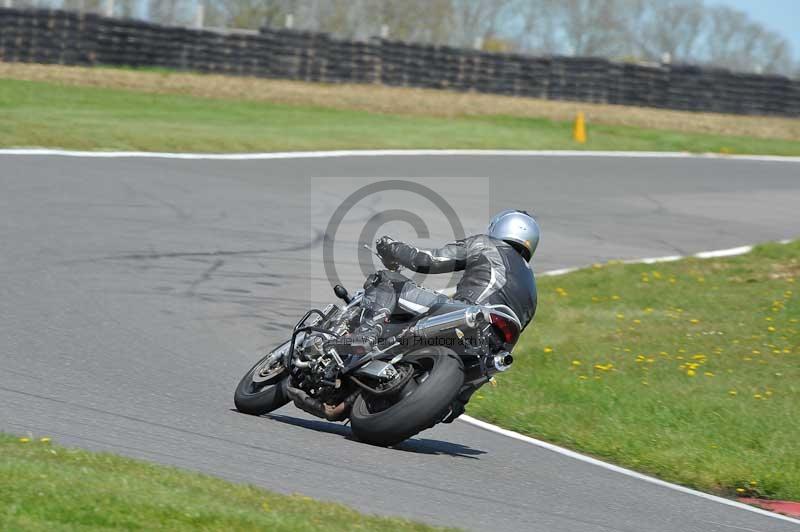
(418, 370)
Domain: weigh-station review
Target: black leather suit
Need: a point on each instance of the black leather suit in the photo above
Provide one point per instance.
(494, 273)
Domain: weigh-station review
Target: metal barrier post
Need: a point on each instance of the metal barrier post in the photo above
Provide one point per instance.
(199, 15)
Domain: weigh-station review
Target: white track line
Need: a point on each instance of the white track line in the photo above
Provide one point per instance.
(621, 470)
(730, 252)
(588, 459)
(385, 153)
(541, 153)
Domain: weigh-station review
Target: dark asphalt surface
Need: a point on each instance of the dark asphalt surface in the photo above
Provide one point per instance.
(136, 292)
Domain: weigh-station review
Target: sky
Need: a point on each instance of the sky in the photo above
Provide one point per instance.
(782, 16)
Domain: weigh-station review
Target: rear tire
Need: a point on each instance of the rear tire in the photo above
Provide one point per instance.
(436, 387)
(257, 395)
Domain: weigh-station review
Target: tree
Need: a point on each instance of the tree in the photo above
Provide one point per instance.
(425, 21)
(594, 27)
(688, 30)
(476, 19)
(539, 31)
(171, 12)
(734, 41)
(246, 14)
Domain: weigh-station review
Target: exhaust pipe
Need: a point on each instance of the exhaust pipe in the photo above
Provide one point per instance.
(500, 362)
(432, 326)
(317, 408)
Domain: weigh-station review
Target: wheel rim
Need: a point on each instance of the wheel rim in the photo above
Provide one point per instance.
(422, 370)
(268, 370)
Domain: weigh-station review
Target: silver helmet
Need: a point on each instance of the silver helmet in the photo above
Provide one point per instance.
(518, 228)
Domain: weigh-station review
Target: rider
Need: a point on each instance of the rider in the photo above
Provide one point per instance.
(495, 266)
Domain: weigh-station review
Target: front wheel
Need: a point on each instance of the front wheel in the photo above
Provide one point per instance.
(261, 390)
(421, 404)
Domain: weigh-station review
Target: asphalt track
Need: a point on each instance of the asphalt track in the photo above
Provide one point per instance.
(136, 292)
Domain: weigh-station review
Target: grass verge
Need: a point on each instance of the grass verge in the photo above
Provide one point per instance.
(47, 114)
(688, 370)
(38, 484)
(399, 100)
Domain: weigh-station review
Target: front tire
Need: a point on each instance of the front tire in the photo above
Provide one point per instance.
(261, 390)
(439, 374)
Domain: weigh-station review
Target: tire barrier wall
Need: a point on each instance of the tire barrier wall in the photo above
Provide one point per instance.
(71, 38)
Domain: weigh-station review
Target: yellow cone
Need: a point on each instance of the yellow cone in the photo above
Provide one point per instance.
(579, 131)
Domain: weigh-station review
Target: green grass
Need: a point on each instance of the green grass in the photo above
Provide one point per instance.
(47, 487)
(687, 370)
(52, 115)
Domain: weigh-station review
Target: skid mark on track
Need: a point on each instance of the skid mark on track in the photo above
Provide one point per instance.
(205, 276)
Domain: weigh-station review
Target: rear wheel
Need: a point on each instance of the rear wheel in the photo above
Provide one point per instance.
(420, 404)
(261, 390)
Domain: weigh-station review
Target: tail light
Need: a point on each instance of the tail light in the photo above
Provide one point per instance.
(506, 328)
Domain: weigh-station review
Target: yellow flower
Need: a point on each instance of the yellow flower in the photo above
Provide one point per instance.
(699, 356)
(637, 322)
(771, 328)
(739, 490)
(691, 373)
(24, 440)
(548, 349)
(583, 377)
(757, 396)
(615, 297)
(648, 310)
(620, 316)
(753, 483)
(732, 392)
(44, 440)
(694, 321)
(708, 374)
(576, 362)
(604, 367)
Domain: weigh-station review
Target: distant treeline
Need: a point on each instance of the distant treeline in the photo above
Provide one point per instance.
(52, 36)
(699, 32)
